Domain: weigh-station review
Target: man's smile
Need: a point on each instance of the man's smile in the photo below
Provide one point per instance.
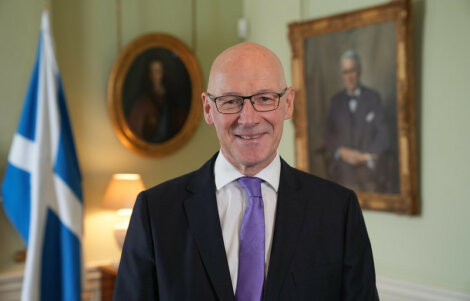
(249, 137)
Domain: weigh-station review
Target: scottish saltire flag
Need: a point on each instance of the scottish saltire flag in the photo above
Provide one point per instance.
(41, 189)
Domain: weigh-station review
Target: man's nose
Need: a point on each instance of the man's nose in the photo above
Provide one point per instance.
(248, 114)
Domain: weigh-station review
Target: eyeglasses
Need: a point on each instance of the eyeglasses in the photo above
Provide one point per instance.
(262, 102)
(349, 71)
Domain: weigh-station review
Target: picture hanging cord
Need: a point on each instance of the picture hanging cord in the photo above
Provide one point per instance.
(193, 25)
(118, 25)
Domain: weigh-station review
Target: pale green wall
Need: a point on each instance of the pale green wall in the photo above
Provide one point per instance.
(434, 247)
(86, 46)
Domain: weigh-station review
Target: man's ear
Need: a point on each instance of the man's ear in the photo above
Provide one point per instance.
(289, 103)
(206, 106)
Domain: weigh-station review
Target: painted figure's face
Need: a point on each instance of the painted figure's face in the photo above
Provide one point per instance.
(248, 139)
(350, 74)
(156, 72)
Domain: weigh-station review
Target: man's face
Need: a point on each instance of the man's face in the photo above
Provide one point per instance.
(248, 139)
(350, 74)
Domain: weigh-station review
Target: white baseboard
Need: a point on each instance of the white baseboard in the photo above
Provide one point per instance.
(399, 290)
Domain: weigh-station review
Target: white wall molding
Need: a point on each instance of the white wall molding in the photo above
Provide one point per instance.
(399, 290)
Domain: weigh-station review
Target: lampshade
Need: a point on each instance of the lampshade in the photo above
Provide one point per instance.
(122, 191)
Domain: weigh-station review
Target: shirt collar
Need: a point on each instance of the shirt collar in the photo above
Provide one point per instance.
(226, 173)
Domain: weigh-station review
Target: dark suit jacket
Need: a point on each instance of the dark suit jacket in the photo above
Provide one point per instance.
(174, 248)
(364, 130)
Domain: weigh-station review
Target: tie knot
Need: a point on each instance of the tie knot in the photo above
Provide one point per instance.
(251, 185)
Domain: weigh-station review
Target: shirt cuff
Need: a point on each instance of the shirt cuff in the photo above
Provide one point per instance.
(370, 162)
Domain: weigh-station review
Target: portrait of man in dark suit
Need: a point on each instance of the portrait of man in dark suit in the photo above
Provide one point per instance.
(351, 107)
(247, 226)
(356, 134)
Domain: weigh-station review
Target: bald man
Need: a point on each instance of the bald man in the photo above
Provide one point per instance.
(246, 226)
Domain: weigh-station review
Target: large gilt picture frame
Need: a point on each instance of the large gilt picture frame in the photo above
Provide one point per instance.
(154, 91)
(354, 116)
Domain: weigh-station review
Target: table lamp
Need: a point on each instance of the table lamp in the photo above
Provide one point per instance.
(120, 195)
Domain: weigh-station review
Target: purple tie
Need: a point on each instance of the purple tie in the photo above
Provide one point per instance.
(251, 257)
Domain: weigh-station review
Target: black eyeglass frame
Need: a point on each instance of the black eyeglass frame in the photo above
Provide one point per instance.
(214, 99)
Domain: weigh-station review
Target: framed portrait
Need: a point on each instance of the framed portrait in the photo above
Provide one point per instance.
(354, 115)
(154, 95)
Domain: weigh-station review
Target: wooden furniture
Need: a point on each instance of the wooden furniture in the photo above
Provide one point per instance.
(108, 279)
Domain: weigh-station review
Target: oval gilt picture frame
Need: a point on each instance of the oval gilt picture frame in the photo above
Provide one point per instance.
(154, 93)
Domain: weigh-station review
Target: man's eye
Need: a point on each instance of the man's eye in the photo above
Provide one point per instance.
(229, 101)
(264, 98)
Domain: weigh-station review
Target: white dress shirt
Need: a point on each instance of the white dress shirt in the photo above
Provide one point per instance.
(232, 202)
(353, 101)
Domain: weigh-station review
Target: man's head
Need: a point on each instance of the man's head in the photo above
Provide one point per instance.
(248, 139)
(350, 70)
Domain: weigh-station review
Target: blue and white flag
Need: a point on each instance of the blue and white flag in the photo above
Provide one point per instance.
(42, 194)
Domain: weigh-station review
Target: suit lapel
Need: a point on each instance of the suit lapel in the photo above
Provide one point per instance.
(347, 118)
(289, 219)
(361, 123)
(204, 224)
